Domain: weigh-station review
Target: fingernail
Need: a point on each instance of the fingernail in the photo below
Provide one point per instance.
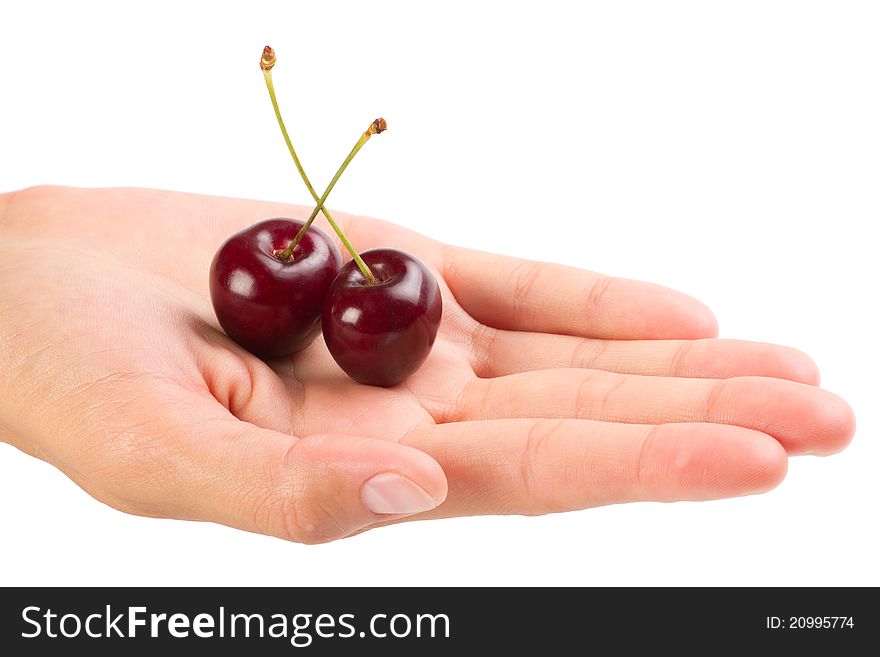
(393, 494)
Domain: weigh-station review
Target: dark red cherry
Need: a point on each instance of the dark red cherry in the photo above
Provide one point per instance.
(269, 306)
(381, 333)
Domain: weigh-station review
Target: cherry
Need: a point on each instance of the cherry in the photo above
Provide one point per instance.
(381, 332)
(269, 305)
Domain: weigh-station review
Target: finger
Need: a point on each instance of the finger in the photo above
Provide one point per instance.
(498, 353)
(803, 418)
(522, 295)
(210, 466)
(544, 466)
(318, 488)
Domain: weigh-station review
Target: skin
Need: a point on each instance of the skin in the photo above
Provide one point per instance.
(548, 389)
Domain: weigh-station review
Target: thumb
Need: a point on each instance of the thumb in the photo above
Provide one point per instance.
(313, 489)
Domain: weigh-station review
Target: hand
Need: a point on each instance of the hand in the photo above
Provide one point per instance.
(548, 389)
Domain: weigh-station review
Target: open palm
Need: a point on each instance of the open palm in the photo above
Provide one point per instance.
(548, 388)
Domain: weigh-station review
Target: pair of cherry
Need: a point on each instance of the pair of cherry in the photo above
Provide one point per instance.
(276, 284)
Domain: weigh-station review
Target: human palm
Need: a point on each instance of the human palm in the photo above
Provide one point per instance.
(548, 388)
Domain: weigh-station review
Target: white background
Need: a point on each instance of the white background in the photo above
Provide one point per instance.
(729, 149)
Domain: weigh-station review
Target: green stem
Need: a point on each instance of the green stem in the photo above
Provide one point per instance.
(377, 126)
(284, 255)
(267, 74)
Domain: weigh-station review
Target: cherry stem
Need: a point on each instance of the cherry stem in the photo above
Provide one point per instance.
(266, 63)
(375, 128)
